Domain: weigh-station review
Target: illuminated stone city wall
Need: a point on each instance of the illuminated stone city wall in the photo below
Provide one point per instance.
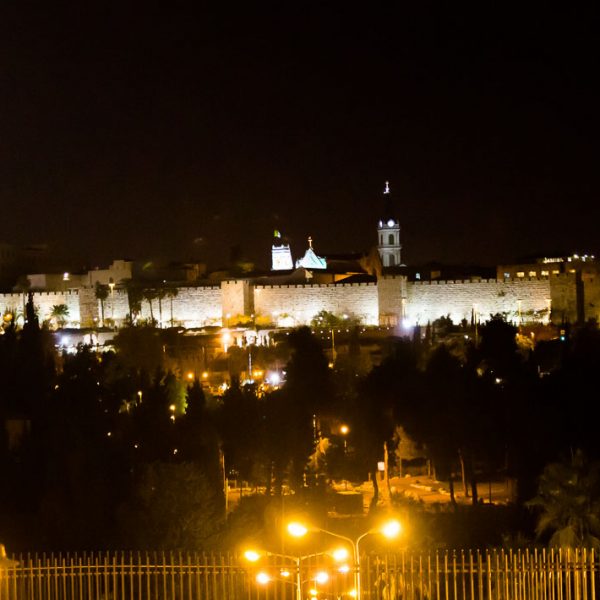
(525, 299)
(392, 295)
(591, 296)
(191, 307)
(291, 305)
(43, 302)
(391, 301)
(236, 298)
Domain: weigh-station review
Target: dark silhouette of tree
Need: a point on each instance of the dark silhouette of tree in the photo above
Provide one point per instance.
(149, 295)
(85, 468)
(308, 394)
(173, 507)
(135, 296)
(278, 427)
(101, 292)
(382, 402)
(161, 294)
(171, 292)
(155, 430)
(239, 425)
(568, 503)
(498, 349)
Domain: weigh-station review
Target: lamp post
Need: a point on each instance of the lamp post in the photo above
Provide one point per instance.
(321, 577)
(390, 529)
(344, 430)
(111, 285)
(254, 556)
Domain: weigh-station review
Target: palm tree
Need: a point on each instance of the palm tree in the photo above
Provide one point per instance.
(23, 285)
(569, 502)
(161, 293)
(102, 295)
(60, 313)
(134, 299)
(171, 293)
(149, 295)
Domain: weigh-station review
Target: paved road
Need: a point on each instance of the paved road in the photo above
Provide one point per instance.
(420, 488)
(429, 491)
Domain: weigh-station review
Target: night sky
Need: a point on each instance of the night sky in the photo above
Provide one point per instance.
(147, 132)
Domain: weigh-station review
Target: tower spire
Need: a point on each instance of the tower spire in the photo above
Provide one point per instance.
(388, 231)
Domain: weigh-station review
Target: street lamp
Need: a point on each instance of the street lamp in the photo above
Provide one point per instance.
(344, 430)
(321, 577)
(390, 529)
(111, 285)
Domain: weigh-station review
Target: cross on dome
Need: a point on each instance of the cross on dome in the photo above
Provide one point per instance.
(309, 241)
(387, 188)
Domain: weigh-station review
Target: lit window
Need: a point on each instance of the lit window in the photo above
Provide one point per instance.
(520, 274)
(544, 273)
(506, 275)
(555, 272)
(532, 274)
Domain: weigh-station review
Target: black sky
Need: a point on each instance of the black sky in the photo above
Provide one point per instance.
(148, 131)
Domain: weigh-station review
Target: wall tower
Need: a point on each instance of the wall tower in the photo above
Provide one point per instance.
(388, 232)
(281, 255)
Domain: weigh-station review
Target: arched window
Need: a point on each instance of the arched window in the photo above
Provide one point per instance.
(381, 240)
(391, 239)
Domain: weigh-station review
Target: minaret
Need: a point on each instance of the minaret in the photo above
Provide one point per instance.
(281, 254)
(388, 232)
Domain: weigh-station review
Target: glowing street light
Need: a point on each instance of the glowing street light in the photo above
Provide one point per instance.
(251, 555)
(390, 529)
(263, 578)
(340, 554)
(345, 430)
(322, 577)
(297, 529)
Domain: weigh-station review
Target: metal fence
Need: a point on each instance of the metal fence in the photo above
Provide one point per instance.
(460, 575)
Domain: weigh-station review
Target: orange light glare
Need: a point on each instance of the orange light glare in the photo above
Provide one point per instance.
(251, 555)
(297, 529)
(340, 554)
(391, 529)
(344, 429)
(262, 578)
(322, 577)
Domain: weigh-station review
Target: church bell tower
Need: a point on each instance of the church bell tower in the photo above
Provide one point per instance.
(388, 232)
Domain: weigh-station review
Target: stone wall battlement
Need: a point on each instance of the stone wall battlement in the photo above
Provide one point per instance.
(315, 285)
(67, 293)
(476, 281)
